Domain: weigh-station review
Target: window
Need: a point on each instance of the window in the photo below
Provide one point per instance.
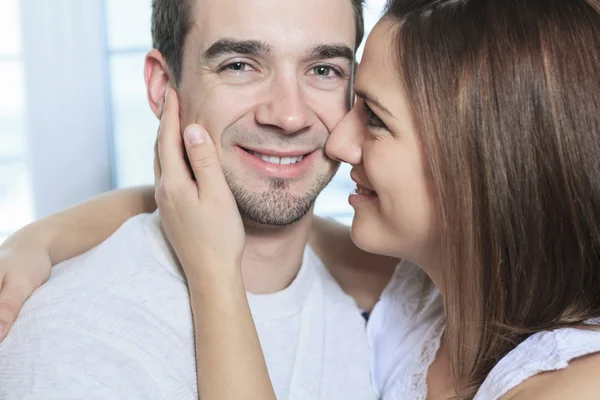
(134, 124)
(15, 185)
(128, 27)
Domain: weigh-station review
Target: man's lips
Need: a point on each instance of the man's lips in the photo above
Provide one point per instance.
(279, 164)
(279, 153)
(275, 157)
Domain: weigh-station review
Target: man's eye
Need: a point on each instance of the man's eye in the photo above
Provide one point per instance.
(238, 66)
(325, 71)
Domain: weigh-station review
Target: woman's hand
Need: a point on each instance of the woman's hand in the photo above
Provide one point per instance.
(200, 217)
(23, 269)
(202, 222)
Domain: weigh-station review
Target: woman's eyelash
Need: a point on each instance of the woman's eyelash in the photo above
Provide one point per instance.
(372, 120)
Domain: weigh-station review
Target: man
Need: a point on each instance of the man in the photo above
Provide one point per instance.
(269, 80)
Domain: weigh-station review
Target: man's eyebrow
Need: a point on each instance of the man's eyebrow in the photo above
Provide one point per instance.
(373, 100)
(233, 46)
(324, 51)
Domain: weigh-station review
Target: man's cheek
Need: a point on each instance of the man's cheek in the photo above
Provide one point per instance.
(330, 106)
(332, 112)
(226, 106)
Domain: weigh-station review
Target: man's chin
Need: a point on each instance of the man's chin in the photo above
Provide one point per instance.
(251, 222)
(280, 203)
(276, 210)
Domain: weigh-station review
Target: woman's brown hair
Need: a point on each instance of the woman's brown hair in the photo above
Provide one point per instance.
(506, 98)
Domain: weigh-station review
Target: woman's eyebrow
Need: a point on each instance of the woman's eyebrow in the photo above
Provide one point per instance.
(369, 98)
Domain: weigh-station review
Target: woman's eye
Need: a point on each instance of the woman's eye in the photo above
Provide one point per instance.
(372, 120)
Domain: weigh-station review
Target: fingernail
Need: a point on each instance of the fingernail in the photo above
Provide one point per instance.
(166, 95)
(2, 329)
(194, 135)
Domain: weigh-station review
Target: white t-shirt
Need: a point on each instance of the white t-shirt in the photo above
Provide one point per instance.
(115, 323)
(406, 326)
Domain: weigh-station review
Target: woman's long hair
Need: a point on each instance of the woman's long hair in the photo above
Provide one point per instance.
(506, 98)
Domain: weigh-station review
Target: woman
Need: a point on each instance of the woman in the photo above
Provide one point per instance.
(475, 145)
(481, 166)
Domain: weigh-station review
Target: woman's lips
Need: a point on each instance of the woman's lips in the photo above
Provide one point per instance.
(361, 195)
(363, 191)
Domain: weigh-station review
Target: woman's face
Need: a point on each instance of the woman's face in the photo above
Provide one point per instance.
(394, 207)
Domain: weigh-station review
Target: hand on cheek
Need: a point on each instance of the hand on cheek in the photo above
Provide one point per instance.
(200, 217)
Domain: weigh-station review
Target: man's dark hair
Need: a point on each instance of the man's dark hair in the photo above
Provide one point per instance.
(171, 21)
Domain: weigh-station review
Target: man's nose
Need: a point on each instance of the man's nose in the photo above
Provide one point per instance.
(286, 107)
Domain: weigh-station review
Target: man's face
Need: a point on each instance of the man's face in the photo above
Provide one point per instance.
(269, 79)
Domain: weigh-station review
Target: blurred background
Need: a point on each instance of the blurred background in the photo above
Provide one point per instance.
(74, 120)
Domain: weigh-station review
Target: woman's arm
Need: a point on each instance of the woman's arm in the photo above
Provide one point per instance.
(27, 257)
(204, 227)
(229, 359)
(77, 229)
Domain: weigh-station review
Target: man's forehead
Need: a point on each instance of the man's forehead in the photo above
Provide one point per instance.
(292, 25)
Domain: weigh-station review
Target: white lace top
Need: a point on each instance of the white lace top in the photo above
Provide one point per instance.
(541, 352)
(405, 330)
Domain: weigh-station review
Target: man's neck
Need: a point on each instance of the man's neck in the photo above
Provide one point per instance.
(273, 255)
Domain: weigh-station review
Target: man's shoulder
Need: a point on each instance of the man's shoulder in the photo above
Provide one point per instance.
(113, 321)
(362, 275)
(138, 241)
(126, 269)
(134, 235)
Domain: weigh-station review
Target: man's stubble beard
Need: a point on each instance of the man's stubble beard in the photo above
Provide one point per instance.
(276, 206)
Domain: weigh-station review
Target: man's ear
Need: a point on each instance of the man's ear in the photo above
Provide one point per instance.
(158, 78)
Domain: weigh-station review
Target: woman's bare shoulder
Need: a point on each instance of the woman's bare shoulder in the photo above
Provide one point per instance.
(578, 381)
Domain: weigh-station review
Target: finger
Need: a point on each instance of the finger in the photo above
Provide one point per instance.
(170, 145)
(12, 298)
(204, 160)
(157, 169)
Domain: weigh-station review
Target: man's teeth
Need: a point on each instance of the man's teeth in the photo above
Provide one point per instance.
(278, 160)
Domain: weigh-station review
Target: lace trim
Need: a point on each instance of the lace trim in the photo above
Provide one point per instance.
(430, 349)
(432, 345)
